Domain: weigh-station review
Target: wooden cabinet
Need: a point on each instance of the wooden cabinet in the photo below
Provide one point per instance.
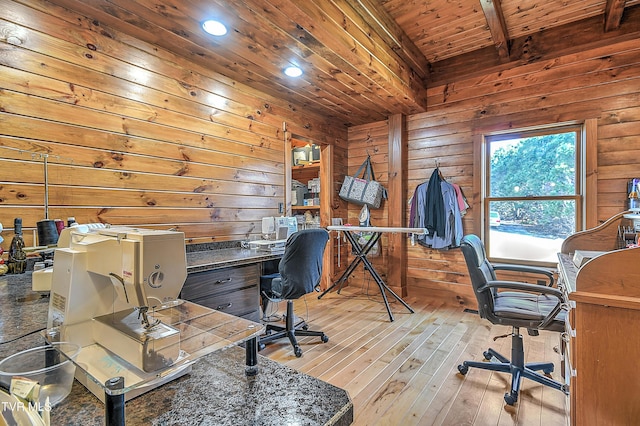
(234, 290)
(601, 344)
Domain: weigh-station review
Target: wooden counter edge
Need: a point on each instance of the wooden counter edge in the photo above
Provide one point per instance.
(612, 300)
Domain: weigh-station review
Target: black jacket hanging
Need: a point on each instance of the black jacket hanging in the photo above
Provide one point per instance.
(435, 212)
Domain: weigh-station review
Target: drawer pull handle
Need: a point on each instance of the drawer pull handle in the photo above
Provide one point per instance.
(224, 306)
(228, 280)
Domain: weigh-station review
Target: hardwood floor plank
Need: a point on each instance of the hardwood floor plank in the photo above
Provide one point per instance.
(404, 372)
(453, 387)
(553, 402)
(369, 355)
(400, 374)
(492, 407)
(418, 390)
(359, 337)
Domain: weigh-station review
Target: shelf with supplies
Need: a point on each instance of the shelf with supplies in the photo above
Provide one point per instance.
(314, 165)
(305, 175)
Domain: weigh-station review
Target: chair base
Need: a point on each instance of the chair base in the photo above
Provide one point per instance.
(275, 332)
(516, 367)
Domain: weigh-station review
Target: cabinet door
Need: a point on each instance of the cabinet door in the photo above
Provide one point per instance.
(233, 290)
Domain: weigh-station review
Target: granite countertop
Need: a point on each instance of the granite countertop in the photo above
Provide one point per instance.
(24, 313)
(202, 260)
(217, 391)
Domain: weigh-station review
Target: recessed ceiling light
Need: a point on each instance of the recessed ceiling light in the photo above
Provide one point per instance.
(293, 71)
(214, 27)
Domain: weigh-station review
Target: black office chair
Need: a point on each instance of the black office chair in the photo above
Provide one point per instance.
(300, 270)
(533, 306)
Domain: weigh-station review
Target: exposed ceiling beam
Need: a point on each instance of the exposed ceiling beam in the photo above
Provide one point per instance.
(495, 19)
(613, 14)
(551, 43)
(389, 30)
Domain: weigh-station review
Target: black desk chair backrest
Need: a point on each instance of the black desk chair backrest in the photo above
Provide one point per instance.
(301, 264)
(480, 272)
(300, 270)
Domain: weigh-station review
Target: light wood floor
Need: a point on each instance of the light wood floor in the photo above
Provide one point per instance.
(405, 372)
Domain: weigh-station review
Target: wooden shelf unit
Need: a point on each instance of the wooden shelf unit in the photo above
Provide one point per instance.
(304, 173)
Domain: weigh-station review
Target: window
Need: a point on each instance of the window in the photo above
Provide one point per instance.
(532, 194)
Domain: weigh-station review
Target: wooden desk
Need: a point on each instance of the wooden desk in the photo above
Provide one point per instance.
(227, 280)
(602, 340)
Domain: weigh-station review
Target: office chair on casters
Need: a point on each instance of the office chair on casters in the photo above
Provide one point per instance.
(532, 306)
(300, 270)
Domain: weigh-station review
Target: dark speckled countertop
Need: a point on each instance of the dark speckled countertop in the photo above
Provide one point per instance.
(216, 392)
(203, 260)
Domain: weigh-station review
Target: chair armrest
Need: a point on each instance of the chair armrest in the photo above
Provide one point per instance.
(526, 269)
(532, 288)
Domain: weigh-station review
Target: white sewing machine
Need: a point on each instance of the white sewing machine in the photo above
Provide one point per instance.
(275, 231)
(107, 284)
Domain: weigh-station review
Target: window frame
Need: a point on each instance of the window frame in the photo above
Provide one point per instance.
(580, 128)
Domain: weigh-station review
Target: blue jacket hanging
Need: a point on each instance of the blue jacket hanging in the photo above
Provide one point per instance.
(436, 208)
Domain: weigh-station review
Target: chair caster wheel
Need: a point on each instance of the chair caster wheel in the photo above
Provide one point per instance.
(297, 351)
(463, 369)
(487, 355)
(261, 346)
(510, 399)
(324, 338)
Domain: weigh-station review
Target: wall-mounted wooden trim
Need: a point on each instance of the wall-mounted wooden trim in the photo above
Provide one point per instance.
(326, 212)
(397, 190)
(287, 169)
(474, 199)
(591, 173)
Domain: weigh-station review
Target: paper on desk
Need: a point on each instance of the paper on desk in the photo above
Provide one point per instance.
(580, 257)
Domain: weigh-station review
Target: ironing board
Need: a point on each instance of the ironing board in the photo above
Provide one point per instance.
(361, 252)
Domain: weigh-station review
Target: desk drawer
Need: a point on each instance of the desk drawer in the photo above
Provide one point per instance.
(241, 303)
(217, 281)
(233, 290)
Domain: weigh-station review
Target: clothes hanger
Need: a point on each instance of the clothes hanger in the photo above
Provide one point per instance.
(438, 169)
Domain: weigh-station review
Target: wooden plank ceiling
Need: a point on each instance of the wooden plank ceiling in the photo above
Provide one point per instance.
(364, 60)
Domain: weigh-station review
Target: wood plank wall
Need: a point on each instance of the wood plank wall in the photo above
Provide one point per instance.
(134, 134)
(601, 84)
(372, 140)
